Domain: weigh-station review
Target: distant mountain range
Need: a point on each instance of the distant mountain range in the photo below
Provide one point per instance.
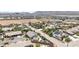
(41, 13)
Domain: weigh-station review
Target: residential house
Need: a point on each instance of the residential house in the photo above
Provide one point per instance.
(58, 34)
(13, 33)
(1, 36)
(20, 44)
(31, 34)
(7, 28)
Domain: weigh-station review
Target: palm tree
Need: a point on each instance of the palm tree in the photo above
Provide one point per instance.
(67, 40)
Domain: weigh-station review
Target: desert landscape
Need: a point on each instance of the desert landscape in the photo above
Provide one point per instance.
(21, 21)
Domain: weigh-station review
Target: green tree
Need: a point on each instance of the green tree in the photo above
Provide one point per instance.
(1, 31)
(67, 40)
(37, 44)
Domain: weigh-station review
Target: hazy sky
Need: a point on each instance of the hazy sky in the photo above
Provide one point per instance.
(38, 5)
